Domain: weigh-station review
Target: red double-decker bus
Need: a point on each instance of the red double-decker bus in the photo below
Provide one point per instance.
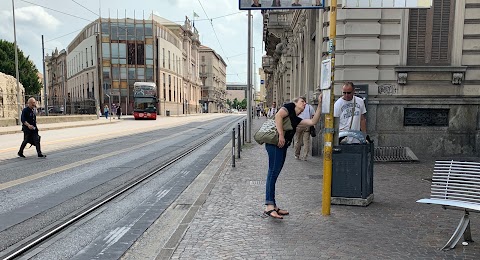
(145, 100)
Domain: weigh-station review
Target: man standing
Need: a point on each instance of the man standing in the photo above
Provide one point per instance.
(302, 135)
(29, 128)
(350, 110)
(272, 110)
(119, 111)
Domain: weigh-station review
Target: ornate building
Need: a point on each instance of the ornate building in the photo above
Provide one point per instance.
(420, 69)
(214, 76)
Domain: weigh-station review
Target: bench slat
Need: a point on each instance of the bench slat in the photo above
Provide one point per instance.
(460, 182)
(452, 203)
(457, 189)
(457, 197)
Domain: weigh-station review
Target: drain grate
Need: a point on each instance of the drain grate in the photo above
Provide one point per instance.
(394, 154)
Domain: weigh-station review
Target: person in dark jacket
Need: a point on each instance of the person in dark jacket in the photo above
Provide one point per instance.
(29, 128)
(119, 111)
(277, 153)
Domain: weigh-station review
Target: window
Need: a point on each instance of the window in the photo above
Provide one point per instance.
(203, 58)
(169, 60)
(430, 33)
(169, 88)
(140, 54)
(164, 86)
(91, 54)
(163, 57)
(86, 57)
(131, 53)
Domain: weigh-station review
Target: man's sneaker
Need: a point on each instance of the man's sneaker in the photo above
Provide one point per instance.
(21, 155)
(296, 157)
(42, 156)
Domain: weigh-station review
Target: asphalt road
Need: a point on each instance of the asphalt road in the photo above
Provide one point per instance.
(83, 163)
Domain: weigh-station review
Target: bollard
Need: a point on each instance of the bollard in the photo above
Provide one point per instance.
(239, 140)
(244, 128)
(233, 147)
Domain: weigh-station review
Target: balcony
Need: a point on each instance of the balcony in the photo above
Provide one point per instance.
(268, 64)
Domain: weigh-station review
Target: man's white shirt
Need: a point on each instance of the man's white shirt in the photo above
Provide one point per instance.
(307, 113)
(343, 110)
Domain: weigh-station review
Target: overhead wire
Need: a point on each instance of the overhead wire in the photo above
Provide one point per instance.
(51, 9)
(85, 7)
(215, 33)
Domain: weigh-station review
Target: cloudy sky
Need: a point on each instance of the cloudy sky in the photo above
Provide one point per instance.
(61, 20)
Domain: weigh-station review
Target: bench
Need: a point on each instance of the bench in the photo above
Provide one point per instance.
(456, 185)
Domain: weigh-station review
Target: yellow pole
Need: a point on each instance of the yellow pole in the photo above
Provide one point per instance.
(329, 125)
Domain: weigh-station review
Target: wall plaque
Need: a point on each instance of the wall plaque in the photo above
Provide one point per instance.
(425, 117)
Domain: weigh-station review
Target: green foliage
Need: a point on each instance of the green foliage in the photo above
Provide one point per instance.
(26, 68)
(243, 104)
(229, 103)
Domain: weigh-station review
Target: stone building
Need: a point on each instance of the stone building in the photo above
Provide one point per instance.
(56, 71)
(214, 76)
(420, 69)
(8, 96)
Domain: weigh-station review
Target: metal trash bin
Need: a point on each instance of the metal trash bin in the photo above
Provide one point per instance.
(167, 113)
(352, 174)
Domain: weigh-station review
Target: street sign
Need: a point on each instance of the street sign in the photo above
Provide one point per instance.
(326, 74)
(385, 4)
(262, 81)
(280, 4)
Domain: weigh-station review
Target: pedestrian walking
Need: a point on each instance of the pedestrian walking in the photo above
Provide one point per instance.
(29, 128)
(302, 135)
(119, 111)
(105, 111)
(272, 110)
(277, 153)
(113, 111)
(258, 111)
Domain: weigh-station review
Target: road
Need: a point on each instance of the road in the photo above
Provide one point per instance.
(85, 163)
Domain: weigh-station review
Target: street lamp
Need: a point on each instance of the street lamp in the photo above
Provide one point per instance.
(19, 109)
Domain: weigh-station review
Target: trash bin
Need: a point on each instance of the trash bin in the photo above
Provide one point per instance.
(167, 113)
(352, 174)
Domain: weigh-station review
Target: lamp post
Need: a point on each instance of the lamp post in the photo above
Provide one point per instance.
(19, 108)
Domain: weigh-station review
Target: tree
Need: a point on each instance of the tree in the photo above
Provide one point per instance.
(229, 103)
(235, 103)
(243, 104)
(26, 68)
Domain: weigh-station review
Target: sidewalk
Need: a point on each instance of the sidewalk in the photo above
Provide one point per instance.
(44, 127)
(230, 224)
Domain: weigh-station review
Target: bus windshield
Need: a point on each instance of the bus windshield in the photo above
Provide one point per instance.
(145, 105)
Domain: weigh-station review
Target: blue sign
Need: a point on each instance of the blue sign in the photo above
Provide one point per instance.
(262, 81)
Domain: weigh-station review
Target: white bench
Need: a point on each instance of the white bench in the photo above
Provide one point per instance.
(456, 185)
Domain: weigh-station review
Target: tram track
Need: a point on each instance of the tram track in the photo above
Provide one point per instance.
(33, 241)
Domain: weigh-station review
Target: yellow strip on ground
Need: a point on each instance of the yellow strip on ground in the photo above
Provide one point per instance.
(39, 175)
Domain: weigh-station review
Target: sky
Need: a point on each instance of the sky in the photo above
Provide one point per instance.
(222, 26)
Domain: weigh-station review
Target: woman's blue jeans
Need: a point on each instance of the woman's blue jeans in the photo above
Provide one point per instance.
(276, 159)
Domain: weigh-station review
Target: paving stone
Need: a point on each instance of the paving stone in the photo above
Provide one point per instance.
(230, 224)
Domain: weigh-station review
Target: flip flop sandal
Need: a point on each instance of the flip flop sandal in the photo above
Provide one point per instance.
(283, 214)
(269, 213)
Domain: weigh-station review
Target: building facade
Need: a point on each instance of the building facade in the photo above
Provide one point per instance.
(110, 55)
(420, 69)
(214, 76)
(56, 71)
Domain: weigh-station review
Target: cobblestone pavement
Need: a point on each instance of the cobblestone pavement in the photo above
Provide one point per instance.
(230, 225)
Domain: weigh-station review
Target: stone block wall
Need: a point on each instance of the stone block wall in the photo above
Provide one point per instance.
(8, 96)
